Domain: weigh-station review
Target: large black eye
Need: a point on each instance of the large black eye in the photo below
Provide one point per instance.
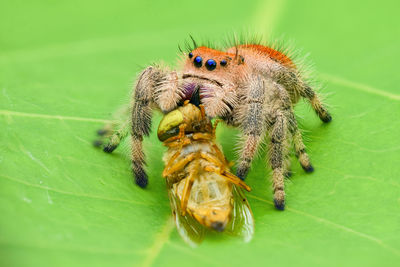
(190, 55)
(211, 64)
(198, 61)
(223, 62)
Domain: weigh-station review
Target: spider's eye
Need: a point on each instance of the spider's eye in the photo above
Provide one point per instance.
(211, 64)
(190, 55)
(198, 61)
(223, 62)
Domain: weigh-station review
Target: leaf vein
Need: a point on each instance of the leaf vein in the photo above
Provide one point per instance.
(46, 116)
(75, 194)
(159, 242)
(359, 86)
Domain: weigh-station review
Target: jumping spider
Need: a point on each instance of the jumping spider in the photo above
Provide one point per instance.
(250, 86)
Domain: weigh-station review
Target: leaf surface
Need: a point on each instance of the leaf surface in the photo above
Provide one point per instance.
(66, 66)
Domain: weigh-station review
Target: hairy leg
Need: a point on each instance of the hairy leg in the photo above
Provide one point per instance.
(253, 125)
(179, 165)
(118, 123)
(117, 137)
(155, 87)
(316, 104)
(299, 146)
(278, 153)
(296, 87)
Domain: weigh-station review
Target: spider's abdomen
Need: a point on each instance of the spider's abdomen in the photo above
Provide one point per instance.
(266, 51)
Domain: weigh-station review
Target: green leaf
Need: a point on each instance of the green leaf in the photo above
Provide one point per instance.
(65, 66)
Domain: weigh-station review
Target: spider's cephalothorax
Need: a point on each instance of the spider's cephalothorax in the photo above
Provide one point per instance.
(251, 86)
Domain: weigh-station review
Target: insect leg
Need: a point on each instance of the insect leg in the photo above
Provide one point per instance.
(179, 165)
(172, 159)
(186, 190)
(202, 136)
(217, 121)
(212, 159)
(178, 137)
(227, 175)
(220, 155)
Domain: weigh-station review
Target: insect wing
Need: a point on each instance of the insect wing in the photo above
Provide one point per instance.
(242, 222)
(188, 228)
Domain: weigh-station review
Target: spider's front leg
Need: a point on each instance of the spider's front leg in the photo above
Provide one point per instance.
(155, 88)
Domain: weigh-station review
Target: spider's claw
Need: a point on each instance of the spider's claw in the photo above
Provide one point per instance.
(97, 143)
(141, 178)
(327, 118)
(308, 168)
(279, 204)
(109, 148)
(102, 132)
(242, 173)
(288, 174)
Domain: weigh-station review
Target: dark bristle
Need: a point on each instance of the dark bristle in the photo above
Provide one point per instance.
(193, 41)
(192, 44)
(180, 49)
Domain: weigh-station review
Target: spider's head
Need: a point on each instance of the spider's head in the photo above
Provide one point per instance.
(214, 73)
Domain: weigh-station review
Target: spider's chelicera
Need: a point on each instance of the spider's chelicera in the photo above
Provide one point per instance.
(254, 87)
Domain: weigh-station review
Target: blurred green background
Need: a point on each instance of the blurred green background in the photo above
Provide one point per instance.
(65, 66)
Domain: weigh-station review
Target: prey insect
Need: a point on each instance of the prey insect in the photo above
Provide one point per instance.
(203, 192)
